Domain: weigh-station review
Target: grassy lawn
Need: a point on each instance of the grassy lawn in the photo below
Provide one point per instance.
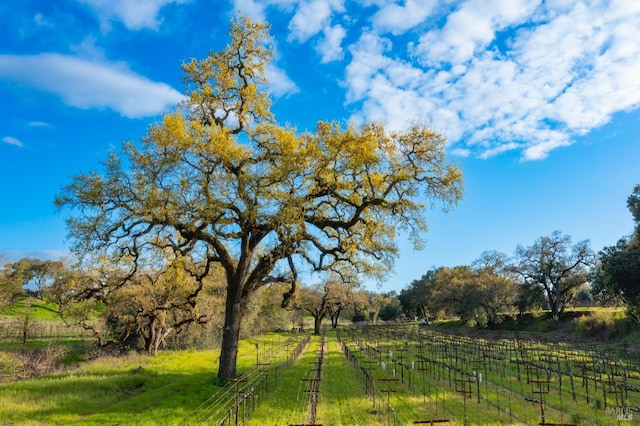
(126, 390)
(36, 309)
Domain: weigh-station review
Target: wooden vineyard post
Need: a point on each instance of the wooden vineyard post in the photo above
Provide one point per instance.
(388, 391)
(430, 422)
(262, 366)
(614, 388)
(314, 389)
(370, 384)
(541, 388)
(237, 391)
(313, 398)
(421, 368)
(478, 374)
(464, 390)
(541, 392)
(402, 355)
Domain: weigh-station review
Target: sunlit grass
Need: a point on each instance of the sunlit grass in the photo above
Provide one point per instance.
(343, 399)
(132, 389)
(33, 308)
(167, 389)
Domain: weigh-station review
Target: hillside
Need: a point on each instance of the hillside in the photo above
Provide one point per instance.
(584, 325)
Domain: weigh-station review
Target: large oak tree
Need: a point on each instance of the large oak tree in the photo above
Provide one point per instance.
(219, 179)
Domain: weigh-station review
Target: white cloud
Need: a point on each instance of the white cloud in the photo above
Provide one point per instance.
(134, 14)
(506, 75)
(85, 84)
(542, 148)
(472, 28)
(368, 58)
(279, 83)
(38, 124)
(257, 9)
(499, 149)
(311, 17)
(251, 8)
(397, 19)
(330, 46)
(41, 21)
(12, 141)
(461, 152)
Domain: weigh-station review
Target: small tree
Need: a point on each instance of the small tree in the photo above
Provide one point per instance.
(485, 297)
(157, 304)
(11, 283)
(328, 298)
(529, 297)
(478, 296)
(376, 302)
(340, 297)
(315, 302)
(265, 313)
(445, 290)
(140, 311)
(220, 180)
(557, 265)
(391, 310)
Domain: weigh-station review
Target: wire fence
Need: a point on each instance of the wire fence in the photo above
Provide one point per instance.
(233, 403)
(23, 331)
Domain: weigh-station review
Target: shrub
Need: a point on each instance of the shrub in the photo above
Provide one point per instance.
(603, 324)
(10, 366)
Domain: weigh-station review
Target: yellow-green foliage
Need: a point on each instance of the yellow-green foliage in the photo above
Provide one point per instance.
(603, 324)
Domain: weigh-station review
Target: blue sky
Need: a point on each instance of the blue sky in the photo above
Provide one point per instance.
(540, 102)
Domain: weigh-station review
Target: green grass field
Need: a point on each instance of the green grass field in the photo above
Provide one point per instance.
(416, 376)
(128, 390)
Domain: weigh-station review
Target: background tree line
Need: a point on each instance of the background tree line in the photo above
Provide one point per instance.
(165, 304)
(550, 274)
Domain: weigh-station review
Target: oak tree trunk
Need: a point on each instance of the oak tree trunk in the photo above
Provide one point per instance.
(231, 333)
(317, 322)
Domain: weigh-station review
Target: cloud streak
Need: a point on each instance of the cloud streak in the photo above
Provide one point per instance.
(86, 84)
(12, 141)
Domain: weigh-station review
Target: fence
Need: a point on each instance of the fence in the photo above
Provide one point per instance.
(21, 331)
(233, 403)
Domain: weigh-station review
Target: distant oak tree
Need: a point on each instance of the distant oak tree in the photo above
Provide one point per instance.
(220, 180)
(556, 265)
